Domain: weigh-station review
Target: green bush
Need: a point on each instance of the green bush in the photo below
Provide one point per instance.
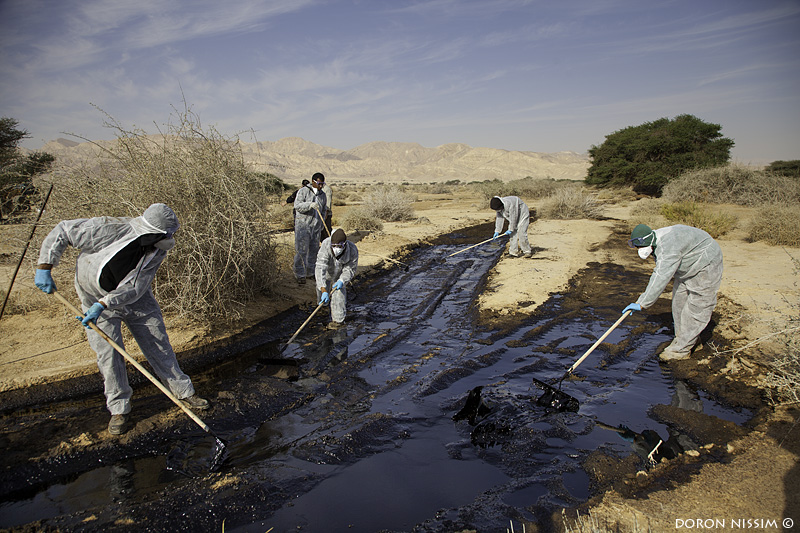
(785, 168)
(224, 254)
(648, 156)
(777, 225)
(714, 222)
(733, 184)
(17, 171)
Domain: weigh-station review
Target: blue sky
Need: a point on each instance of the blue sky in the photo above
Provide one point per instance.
(541, 75)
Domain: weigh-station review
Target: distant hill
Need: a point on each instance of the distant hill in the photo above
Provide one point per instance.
(294, 159)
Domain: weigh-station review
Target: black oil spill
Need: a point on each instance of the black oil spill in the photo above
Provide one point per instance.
(417, 416)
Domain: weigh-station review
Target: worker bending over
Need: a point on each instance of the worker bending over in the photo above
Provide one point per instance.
(513, 209)
(337, 262)
(694, 260)
(118, 260)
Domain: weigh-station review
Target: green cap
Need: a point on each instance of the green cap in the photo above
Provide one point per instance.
(642, 235)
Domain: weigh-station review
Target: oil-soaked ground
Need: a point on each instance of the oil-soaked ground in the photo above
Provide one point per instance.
(418, 416)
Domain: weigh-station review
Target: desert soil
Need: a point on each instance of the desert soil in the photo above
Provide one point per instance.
(751, 478)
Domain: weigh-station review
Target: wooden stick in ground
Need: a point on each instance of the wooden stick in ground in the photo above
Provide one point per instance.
(21, 257)
(139, 367)
(474, 245)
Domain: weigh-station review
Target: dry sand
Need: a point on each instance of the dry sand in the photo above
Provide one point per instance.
(760, 286)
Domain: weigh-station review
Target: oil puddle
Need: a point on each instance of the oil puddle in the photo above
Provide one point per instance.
(412, 417)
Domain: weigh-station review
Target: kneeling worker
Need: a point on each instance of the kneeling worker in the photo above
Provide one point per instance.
(118, 260)
(337, 262)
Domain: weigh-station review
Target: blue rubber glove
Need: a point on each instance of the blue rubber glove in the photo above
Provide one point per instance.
(632, 308)
(509, 232)
(44, 280)
(496, 234)
(91, 315)
(325, 299)
(338, 285)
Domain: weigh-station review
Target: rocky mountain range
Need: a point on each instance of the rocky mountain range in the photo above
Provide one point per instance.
(294, 159)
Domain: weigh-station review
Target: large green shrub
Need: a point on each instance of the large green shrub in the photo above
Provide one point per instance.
(648, 156)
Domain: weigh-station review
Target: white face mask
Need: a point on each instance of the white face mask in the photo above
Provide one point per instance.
(165, 244)
(337, 251)
(645, 252)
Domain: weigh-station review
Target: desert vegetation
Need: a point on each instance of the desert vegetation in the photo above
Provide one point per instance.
(389, 203)
(225, 255)
(705, 198)
(17, 170)
(650, 155)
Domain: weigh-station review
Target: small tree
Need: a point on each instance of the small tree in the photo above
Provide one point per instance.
(16, 170)
(648, 156)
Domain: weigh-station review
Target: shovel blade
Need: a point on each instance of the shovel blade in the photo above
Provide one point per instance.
(555, 399)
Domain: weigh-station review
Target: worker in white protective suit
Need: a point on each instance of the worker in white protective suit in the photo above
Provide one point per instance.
(118, 260)
(513, 209)
(310, 204)
(694, 259)
(337, 263)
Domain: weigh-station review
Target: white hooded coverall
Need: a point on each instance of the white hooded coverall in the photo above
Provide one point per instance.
(518, 215)
(330, 269)
(132, 301)
(694, 259)
(307, 226)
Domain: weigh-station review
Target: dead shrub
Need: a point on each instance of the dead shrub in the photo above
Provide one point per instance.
(390, 203)
(570, 203)
(733, 184)
(779, 226)
(224, 255)
(360, 219)
(783, 379)
(712, 221)
(528, 188)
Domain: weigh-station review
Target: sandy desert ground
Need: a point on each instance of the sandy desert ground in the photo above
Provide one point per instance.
(40, 341)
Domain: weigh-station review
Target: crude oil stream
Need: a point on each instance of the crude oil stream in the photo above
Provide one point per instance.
(360, 432)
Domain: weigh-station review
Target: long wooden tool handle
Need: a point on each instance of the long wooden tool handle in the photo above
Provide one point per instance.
(296, 333)
(473, 246)
(596, 344)
(323, 221)
(138, 366)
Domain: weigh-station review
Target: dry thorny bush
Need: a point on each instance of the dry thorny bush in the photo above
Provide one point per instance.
(224, 255)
